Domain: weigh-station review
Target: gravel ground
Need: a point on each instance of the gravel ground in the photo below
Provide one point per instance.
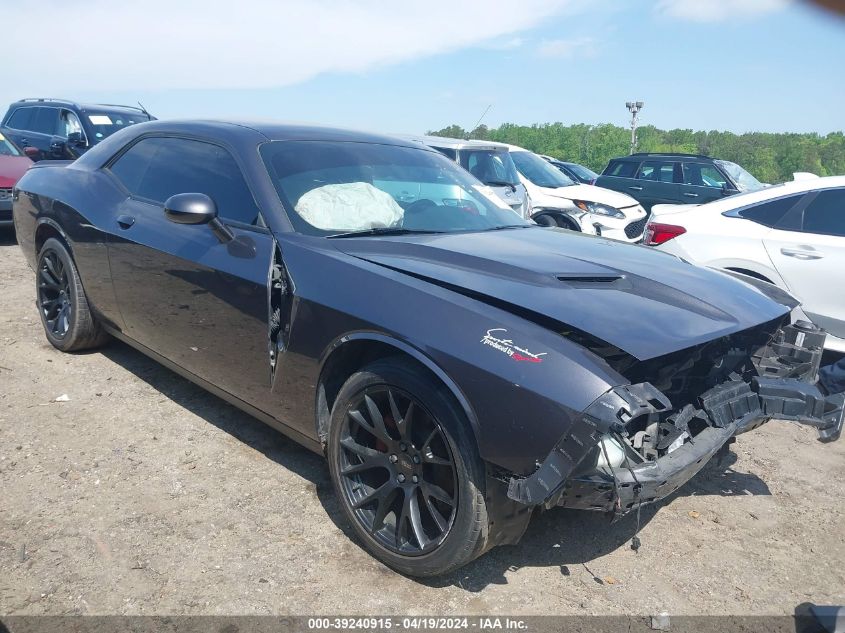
(143, 494)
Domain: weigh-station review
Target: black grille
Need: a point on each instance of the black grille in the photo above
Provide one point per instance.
(636, 228)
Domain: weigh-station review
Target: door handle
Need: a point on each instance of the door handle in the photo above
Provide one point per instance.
(125, 221)
(635, 188)
(801, 254)
(689, 194)
(24, 142)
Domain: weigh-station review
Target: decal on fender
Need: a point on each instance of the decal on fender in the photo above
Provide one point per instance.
(507, 346)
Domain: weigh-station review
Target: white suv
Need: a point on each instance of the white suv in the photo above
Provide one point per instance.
(558, 200)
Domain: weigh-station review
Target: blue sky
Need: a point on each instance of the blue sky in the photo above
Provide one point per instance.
(740, 65)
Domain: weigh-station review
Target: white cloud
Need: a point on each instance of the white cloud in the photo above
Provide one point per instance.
(576, 47)
(167, 44)
(717, 10)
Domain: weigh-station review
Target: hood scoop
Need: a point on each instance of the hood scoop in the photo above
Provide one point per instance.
(589, 279)
(596, 282)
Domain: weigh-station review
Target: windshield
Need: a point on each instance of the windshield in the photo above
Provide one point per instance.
(332, 187)
(107, 122)
(744, 181)
(6, 147)
(540, 172)
(584, 174)
(491, 167)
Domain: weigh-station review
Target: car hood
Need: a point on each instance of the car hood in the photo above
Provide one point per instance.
(642, 301)
(591, 193)
(12, 168)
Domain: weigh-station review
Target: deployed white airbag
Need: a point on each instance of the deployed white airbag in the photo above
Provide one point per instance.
(352, 206)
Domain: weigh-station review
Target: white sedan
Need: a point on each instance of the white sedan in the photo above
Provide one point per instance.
(791, 235)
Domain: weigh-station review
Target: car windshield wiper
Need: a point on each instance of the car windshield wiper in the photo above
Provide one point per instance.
(384, 230)
(501, 183)
(502, 227)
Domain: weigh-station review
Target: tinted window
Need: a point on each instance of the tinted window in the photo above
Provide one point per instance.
(769, 213)
(622, 169)
(45, 121)
(157, 168)
(448, 153)
(581, 173)
(658, 171)
(826, 213)
(21, 119)
(703, 175)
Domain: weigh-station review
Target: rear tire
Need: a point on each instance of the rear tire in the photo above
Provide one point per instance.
(406, 469)
(62, 304)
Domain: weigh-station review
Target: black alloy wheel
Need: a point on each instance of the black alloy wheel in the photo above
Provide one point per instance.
(54, 297)
(404, 463)
(63, 307)
(397, 471)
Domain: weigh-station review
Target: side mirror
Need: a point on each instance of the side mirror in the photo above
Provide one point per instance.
(190, 208)
(75, 139)
(727, 191)
(196, 208)
(32, 152)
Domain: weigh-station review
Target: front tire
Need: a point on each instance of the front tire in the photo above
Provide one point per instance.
(62, 305)
(405, 466)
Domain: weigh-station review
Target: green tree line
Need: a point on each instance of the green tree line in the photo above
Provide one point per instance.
(770, 157)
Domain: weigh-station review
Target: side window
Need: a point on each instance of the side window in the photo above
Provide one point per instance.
(69, 123)
(769, 213)
(45, 121)
(21, 119)
(448, 153)
(703, 175)
(132, 166)
(826, 213)
(658, 171)
(622, 169)
(157, 168)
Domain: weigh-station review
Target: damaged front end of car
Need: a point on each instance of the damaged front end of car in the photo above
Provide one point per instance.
(638, 443)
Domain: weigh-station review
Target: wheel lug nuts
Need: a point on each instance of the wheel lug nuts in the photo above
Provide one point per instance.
(401, 478)
(415, 479)
(416, 459)
(403, 447)
(393, 459)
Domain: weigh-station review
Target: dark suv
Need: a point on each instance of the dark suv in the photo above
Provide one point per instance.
(675, 178)
(59, 129)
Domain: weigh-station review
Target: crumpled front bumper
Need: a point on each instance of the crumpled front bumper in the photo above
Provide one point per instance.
(784, 391)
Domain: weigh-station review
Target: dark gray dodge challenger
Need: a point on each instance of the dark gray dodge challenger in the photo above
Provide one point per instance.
(458, 367)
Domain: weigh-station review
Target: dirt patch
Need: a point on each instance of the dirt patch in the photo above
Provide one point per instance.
(143, 494)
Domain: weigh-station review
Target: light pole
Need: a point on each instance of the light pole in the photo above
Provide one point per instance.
(634, 108)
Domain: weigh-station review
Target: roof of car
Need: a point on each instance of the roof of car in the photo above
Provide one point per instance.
(640, 155)
(451, 143)
(759, 196)
(76, 105)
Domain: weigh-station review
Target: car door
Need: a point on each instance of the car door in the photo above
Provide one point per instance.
(808, 250)
(702, 182)
(184, 294)
(656, 183)
(36, 126)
